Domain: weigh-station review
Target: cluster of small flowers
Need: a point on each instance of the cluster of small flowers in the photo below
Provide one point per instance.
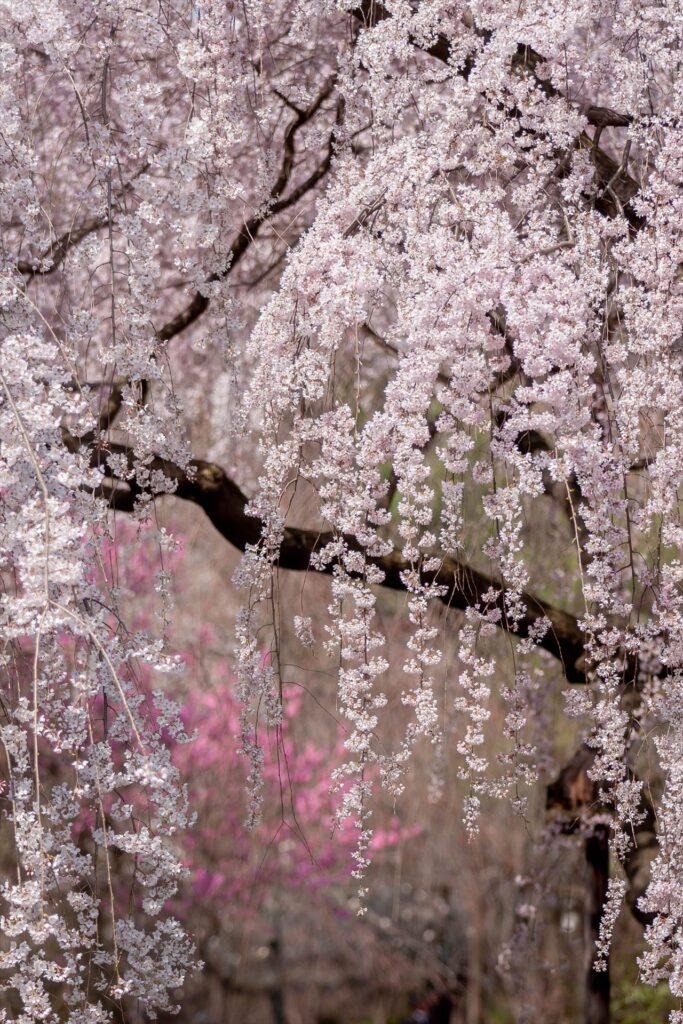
(72, 697)
(442, 222)
(90, 781)
(477, 307)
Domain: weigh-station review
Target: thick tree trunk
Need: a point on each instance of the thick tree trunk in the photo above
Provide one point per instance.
(597, 876)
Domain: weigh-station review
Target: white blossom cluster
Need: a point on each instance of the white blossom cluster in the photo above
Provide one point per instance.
(516, 290)
(88, 777)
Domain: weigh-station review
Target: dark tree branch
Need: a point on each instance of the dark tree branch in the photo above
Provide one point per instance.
(371, 12)
(251, 228)
(111, 407)
(37, 266)
(610, 202)
(207, 485)
(242, 242)
(55, 255)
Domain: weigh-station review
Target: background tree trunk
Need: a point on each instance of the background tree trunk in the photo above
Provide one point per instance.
(597, 876)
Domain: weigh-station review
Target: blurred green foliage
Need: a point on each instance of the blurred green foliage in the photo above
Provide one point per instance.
(642, 1004)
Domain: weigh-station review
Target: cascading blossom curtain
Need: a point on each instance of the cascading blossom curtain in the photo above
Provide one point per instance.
(416, 259)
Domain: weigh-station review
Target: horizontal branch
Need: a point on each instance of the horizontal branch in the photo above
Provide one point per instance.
(208, 486)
